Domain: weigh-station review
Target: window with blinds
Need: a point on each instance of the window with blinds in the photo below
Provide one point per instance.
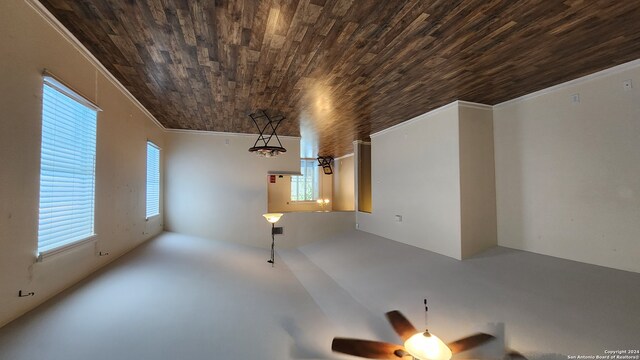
(153, 180)
(67, 169)
(305, 187)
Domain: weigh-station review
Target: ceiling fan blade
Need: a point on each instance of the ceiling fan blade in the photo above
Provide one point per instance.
(514, 355)
(401, 325)
(368, 349)
(469, 342)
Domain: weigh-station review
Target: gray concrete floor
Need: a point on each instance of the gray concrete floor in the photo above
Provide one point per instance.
(180, 297)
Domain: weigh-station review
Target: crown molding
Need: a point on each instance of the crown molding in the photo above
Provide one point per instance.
(361, 142)
(222, 133)
(458, 103)
(416, 119)
(602, 73)
(67, 35)
(474, 105)
(343, 156)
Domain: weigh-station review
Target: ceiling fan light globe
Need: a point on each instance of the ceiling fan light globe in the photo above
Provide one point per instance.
(429, 347)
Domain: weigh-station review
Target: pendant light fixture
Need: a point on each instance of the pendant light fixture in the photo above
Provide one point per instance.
(426, 346)
(264, 146)
(325, 162)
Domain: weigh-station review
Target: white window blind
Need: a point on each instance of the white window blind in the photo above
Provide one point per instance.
(153, 179)
(67, 169)
(305, 187)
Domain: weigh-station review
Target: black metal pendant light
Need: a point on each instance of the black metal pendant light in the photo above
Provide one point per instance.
(325, 162)
(263, 145)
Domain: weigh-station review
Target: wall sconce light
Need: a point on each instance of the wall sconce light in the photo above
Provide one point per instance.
(273, 219)
(325, 162)
(323, 202)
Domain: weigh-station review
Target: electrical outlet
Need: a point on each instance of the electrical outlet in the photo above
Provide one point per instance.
(398, 218)
(627, 84)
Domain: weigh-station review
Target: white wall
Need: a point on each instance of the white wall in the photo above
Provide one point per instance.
(344, 184)
(477, 179)
(436, 171)
(301, 228)
(415, 173)
(218, 190)
(279, 194)
(29, 44)
(568, 174)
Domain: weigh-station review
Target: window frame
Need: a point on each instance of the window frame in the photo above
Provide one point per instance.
(315, 181)
(154, 145)
(55, 84)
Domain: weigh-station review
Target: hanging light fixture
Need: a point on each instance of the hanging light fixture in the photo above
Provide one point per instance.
(263, 145)
(325, 162)
(426, 346)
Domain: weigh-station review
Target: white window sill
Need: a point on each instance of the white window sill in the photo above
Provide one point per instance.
(44, 255)
(151, 217)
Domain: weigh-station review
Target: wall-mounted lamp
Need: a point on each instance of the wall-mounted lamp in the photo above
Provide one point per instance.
(323, 202)
(273, 219)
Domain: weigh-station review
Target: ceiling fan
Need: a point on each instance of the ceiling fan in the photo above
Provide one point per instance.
(417, 345)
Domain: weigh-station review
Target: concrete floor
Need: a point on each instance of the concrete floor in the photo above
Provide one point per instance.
(180, 297)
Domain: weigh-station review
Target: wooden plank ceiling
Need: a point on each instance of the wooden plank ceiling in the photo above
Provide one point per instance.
(343, 69)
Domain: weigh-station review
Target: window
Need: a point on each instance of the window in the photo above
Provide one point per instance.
(67, 168)
(153, 180)
(305, 187)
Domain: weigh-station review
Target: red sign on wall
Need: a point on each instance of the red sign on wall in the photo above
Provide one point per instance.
(272, 179)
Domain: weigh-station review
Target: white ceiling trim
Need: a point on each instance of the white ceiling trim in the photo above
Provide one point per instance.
(417, 118)
(221, 133)
(67, 35)
(606, 72)
(474, 105)
(343, 156)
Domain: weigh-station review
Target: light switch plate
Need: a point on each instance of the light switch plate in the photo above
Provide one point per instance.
(575, 98)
